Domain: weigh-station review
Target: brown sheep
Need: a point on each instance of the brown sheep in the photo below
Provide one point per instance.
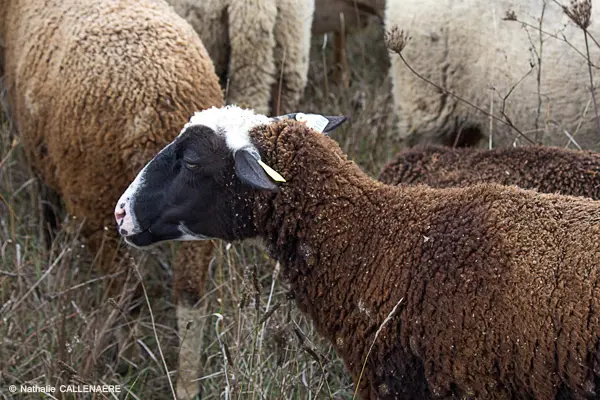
(95, 89)
(545, 169)
(487, 291)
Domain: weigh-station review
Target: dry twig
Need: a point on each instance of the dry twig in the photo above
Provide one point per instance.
(396, 40)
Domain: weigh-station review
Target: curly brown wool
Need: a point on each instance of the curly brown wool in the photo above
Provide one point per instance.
(96, 89)
(499, 286)
(545, 169)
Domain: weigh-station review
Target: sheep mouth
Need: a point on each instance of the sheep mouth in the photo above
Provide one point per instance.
(148, 238)
(141, 240)
(161, 232)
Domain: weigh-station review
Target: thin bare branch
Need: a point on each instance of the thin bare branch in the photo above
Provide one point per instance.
(553, 35)
(505, 121)
(592, 89)
(539, 73)
(391, 315)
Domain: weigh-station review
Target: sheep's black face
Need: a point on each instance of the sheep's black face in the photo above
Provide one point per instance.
(187, 183)
(199, 186)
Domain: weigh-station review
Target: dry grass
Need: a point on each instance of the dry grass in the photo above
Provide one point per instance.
(59, 325)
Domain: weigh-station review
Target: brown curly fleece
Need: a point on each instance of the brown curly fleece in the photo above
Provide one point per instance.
(545, 169)
(97, 88)
(499, 285)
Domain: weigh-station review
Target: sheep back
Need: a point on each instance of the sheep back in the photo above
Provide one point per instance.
(497, 287)
(545, 169)
(95, 90)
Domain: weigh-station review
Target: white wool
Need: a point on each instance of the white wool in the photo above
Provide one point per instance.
(232, 122)
(467, 47)
(256, 43)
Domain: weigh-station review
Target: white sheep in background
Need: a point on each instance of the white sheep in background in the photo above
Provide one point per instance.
(255, 45)
(470, 49)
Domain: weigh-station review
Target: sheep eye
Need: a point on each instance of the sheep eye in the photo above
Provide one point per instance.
(190, 165)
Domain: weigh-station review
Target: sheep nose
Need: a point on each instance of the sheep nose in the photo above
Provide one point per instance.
(120, 212)
(124, 215)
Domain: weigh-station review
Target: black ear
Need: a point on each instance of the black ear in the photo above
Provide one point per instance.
(250, 172)
(334, 122)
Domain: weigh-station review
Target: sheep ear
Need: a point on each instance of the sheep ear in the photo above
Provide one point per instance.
(318, 122)
(250, 171)
(334, 122)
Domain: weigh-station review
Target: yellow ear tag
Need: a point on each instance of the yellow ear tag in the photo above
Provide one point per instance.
(271, 172)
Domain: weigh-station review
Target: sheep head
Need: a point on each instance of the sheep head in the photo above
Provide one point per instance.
(198, 187)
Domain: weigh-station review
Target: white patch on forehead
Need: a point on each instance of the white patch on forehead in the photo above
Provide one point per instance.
(232, 122)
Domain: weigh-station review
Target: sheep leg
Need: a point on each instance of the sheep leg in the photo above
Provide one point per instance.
(190, 323)
(189, 272)
(292, 36)
(251, 66)
(342, 70)
(50, 212)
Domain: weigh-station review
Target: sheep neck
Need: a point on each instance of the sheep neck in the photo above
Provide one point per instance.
(320, 227)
